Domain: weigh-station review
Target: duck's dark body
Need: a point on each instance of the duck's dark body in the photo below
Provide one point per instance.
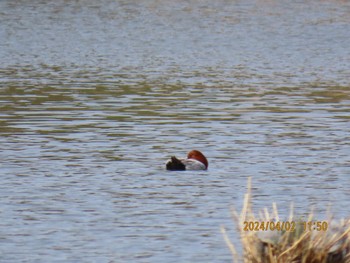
(175, 164)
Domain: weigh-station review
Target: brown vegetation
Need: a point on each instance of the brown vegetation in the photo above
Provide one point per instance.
(302, 245)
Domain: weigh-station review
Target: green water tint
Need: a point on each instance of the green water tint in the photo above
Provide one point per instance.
(95, 96)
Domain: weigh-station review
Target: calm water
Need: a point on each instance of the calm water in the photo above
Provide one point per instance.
(94, 97)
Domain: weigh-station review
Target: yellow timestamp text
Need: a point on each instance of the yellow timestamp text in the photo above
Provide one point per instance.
(289, 226)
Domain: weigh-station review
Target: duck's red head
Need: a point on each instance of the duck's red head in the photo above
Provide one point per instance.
(197, 155)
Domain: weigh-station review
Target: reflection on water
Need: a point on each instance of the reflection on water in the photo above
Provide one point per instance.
(91, 108)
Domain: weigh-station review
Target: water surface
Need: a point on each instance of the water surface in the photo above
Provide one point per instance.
(94, 97)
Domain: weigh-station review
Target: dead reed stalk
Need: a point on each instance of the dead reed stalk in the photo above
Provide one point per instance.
(267, 239)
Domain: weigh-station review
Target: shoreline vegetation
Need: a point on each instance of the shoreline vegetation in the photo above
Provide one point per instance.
(267, 239)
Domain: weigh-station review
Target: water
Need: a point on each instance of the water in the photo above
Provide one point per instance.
(94, 97)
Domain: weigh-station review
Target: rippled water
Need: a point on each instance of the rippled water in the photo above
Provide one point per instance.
(94, 97)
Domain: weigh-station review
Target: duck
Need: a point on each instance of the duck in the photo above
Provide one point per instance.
(195, 161)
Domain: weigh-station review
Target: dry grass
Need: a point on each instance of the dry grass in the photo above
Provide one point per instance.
(298, 246)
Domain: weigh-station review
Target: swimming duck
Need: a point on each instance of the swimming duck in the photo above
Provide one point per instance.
(195, 161)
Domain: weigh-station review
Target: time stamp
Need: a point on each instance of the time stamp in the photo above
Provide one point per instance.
(289, 226)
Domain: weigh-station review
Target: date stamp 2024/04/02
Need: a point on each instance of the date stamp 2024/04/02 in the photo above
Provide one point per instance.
(284, 225)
